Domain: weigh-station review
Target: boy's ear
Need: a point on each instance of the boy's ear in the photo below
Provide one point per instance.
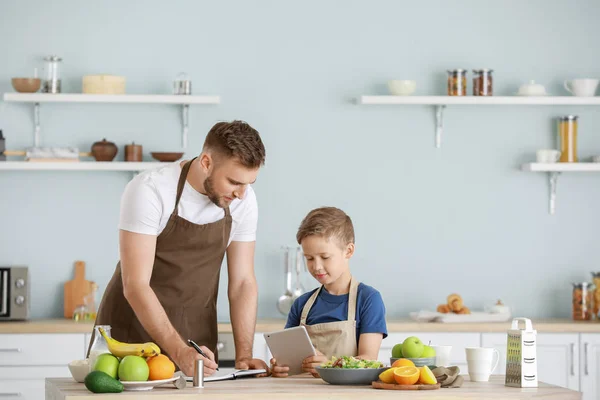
(349, 250)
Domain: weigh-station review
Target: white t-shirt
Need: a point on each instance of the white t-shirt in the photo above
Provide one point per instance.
(149, 199)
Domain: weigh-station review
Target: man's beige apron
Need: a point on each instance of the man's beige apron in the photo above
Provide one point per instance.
(334, 338)
(185, 278)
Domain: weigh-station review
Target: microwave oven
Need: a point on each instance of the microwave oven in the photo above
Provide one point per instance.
(14, 293)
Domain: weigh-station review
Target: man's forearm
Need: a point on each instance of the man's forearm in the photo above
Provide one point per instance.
(153, 318)
(243, 303)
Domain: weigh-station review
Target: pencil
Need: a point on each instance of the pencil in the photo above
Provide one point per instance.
(198, 349)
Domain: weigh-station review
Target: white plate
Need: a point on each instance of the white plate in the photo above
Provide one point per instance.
(146, 385)
(434, 316)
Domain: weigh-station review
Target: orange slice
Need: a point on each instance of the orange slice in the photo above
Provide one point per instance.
(406, 375)
(387, 376)
(403, 362)
(427, 377)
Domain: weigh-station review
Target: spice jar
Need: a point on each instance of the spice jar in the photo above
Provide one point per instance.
(567, 131)
(582, 301)
(133, 152)
(596, 295)
(482, 82)
(457, 82)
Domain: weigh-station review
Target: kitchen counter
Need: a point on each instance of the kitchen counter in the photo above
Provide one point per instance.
(398, 325)
(308, 387)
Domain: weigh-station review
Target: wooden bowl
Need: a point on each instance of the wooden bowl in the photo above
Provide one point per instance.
(26, 85)
(166, 157)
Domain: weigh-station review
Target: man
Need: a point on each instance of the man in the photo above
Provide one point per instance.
(177, 222)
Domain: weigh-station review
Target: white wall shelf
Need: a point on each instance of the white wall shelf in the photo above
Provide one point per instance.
(554, 170)
(37, 98)
(79, 166)
(440, 102)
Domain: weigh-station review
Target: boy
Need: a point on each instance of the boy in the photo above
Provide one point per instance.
(343, 317)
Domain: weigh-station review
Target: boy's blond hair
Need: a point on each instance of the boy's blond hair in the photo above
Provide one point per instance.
(327, 222)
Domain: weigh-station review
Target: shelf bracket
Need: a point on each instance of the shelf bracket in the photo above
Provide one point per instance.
(36, 121)
(553, 179)
(185, 115)
(439, 125)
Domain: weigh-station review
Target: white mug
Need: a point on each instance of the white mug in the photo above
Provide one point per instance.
(547, 156)
(442, 355)
(479, 362)
(582, 87)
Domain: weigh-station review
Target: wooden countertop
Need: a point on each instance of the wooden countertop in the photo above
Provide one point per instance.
(308, 387)
(398, 325)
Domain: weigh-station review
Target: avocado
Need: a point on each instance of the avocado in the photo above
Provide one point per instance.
(101, 382)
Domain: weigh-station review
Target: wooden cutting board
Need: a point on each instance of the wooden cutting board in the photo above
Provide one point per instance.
(393, 386)
(76, 289)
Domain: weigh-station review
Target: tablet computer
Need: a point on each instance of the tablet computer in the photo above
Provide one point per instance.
(290, 347)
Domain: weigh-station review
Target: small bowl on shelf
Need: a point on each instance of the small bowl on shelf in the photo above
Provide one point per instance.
(402, 87)
(165, 156)
(26, 85)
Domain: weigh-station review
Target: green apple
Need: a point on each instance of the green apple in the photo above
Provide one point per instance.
(412, 347)
(107, 363)
(133, 368)
(428, 352)
(397, 351)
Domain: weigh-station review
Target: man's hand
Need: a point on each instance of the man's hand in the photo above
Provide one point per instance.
(310, 363)
(252, 363)
(279, 371)
(185, 356)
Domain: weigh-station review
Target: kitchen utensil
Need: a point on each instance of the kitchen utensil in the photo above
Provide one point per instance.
(104, 150)
(521, 357)
(26, 85)
(299, 288)
(567, 135)
(76, 289)
(52, 83)
(133, 152)
(103, 84)
(531, 89)
(284, 303)
(402, 87)
(394, 386)
(479, 361)
(182, 84)
(166, 157)
(582, 87)
(345, 376)
(547, 156)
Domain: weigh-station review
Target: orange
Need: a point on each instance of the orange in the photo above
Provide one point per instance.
(403, 362)
(406, 375)
(160, 367)
(387, 376)
(426, 377)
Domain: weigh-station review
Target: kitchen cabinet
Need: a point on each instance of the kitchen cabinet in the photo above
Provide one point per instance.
(590, 366)
(27, 359)
(458, 341)
(557, 357)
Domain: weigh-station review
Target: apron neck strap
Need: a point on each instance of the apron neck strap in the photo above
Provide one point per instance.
(352, 295)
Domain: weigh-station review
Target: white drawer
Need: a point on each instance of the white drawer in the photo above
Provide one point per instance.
(458, 341)
(22, 389)
(40, 349)
(32, 373)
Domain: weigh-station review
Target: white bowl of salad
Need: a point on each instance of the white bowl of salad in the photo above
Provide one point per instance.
(347, 370)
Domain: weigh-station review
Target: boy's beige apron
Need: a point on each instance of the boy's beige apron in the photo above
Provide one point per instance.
(185, 278)
(334, 338)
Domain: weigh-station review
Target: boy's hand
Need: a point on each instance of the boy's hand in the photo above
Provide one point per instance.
(310, 363)
(279, 371)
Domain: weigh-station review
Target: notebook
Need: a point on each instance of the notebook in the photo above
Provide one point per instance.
(228, 376)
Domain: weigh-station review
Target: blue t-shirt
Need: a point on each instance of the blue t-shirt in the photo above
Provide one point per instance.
(370, 310)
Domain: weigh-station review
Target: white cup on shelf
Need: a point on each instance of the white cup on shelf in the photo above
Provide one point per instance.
(546, 156)
(582, 87)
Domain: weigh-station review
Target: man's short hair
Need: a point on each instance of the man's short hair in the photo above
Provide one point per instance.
(238, 140)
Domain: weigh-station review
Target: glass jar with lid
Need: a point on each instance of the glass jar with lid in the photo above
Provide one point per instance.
(567, 131)
(457, 82)
(52, 82)
(596, 295)
(482, 82)
(582, 301)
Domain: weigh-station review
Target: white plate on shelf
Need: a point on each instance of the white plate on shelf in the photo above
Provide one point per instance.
(146, 385)
(433, 316)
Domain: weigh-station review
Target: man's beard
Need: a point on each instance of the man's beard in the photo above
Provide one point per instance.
(210, 192)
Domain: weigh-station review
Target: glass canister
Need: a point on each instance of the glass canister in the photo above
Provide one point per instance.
(482, 82)
(582, 301)
(567, 132)
(457, 82)
(596, 296)
(52, 82)
(99, 345)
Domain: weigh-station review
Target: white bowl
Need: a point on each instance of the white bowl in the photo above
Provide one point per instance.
(401, 87)
(79, 369)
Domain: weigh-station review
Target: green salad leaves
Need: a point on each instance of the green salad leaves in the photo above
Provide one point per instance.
(350, 362)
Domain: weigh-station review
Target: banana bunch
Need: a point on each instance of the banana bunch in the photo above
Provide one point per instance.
(121, 349)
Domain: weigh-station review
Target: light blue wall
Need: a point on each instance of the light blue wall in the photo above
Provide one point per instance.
(429, 221)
